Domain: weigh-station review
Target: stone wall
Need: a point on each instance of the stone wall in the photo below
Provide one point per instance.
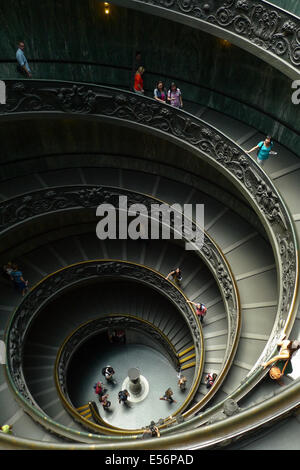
(75, 40)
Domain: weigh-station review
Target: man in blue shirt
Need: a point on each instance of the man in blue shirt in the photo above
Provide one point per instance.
(23, 66)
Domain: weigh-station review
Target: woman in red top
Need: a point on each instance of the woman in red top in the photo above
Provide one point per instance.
(138, 81)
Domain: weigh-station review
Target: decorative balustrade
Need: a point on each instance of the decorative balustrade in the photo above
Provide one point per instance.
(273, 31)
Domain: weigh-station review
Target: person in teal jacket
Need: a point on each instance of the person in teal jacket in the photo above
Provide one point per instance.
(264, 150)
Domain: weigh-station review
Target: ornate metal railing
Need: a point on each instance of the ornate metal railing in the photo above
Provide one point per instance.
(255, 25)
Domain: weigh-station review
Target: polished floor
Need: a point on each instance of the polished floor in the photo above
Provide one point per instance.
(153, 365)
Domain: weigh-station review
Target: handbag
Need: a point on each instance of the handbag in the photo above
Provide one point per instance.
(275, 373)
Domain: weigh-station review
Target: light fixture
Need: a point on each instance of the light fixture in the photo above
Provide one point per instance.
(225, 43)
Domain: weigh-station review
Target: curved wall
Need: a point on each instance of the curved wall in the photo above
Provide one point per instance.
(60, 45)
(60, 143)
(292, 6)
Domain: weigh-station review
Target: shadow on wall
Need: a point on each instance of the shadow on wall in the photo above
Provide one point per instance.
(88, 46)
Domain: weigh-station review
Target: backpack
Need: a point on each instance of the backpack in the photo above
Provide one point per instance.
(259, 148)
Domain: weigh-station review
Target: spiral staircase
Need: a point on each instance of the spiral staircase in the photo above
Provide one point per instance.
(248, 278)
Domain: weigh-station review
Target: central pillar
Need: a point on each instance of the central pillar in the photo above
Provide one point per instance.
(135, 385)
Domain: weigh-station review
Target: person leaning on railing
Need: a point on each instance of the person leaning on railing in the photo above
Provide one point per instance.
(153, 430)
(201, 310)
(264, 150)
(287, 349)
(176, 275)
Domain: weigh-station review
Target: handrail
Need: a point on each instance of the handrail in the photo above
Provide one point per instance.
(95, 413)
(204, 437)
(184, 82)
(262, 28)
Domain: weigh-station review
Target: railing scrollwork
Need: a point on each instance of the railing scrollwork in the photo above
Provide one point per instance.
(267, 27)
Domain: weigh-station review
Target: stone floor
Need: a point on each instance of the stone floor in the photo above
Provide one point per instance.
(154, 367)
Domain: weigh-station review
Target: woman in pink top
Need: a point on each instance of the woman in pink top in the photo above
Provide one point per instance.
(174, 96)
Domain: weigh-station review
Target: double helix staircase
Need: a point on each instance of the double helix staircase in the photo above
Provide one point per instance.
(246, 247)
(247, 251)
